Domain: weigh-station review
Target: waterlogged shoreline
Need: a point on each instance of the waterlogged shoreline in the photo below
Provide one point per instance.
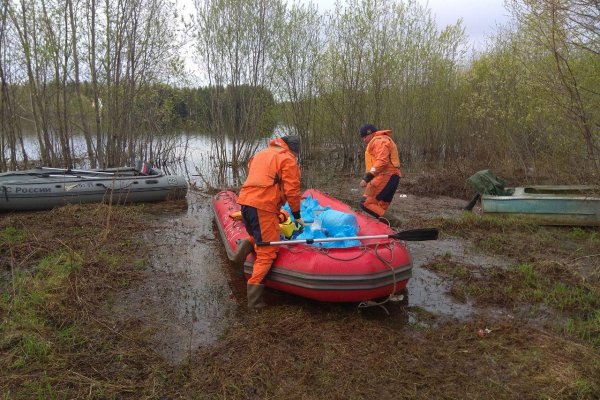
(141, 301)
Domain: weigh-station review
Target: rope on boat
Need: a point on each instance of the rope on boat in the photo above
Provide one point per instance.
(235, 227)
(325, 251)
(392, 296)
(364, 249)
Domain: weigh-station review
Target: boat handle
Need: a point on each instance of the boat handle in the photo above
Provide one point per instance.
(112, 188)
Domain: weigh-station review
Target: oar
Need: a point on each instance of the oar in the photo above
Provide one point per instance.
(414, 235)
(83, 171)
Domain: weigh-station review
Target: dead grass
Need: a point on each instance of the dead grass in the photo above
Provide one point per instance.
(449, 178)
(58, 341)
(574, 251)
(291, 352)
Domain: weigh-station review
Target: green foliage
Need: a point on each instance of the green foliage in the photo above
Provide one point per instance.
(586, 328)
(526, 103)
(34, 350)
(584, 234)
(387, 63)
(59, 266)
(30, 294)
(527, 274)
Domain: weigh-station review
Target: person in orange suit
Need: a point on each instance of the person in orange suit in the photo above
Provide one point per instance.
(273, 179)
(382, 172)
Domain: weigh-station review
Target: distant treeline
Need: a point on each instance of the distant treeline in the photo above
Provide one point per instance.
(527, 103)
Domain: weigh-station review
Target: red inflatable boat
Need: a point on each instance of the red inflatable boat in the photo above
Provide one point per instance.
(375, 269)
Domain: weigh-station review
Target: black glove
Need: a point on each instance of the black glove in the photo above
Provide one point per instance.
(299, 225)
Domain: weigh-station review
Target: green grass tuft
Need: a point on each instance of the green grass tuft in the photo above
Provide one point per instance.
(11, 235)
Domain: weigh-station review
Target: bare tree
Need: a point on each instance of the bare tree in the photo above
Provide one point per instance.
(235, 41)
(83, 120)
(568, 31)
(298, 52)
(386, 63)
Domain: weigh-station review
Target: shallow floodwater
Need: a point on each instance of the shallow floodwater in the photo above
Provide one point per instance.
(191, 294)
(186, 293)
(429, 291)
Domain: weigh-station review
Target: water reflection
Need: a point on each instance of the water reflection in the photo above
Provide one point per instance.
(185, 293)
(191, 292)
(207, 161)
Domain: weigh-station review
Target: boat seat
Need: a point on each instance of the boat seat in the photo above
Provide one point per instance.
(144, 168)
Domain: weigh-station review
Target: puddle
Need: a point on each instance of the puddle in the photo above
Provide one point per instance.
(459, 251)
(429, 291)
(185, 293)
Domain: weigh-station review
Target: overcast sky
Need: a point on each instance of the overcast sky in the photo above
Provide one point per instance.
(480, 17)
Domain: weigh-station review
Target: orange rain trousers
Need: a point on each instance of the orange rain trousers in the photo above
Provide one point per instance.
(263, 226)
(379, 194)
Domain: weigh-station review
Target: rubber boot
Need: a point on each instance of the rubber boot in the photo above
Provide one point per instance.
(244, 248)
(255, 296)
(390, 219)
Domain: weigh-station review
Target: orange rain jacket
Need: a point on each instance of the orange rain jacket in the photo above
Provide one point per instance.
(381, 155)
(273, 179)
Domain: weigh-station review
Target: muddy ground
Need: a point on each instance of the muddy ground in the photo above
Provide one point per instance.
(192, 301)
(495, 308)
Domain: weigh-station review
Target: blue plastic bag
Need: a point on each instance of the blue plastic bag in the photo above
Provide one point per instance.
(309, 208)
(323, 222)
(338, 224)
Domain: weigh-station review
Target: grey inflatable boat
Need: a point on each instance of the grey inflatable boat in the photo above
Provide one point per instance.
(44, 188)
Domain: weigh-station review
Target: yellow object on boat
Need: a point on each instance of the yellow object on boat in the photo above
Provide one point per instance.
(287, 228)
(236, 215)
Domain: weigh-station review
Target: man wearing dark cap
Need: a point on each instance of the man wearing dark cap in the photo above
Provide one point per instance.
(382, 172)
(273, 178)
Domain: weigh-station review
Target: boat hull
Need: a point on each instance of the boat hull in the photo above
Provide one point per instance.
(375, 269)
(40, 189)
(549, 205)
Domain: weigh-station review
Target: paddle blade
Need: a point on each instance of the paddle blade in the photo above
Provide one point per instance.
(416, 235)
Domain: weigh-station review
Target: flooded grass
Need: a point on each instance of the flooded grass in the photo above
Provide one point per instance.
(528, 327)
(556, 267)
